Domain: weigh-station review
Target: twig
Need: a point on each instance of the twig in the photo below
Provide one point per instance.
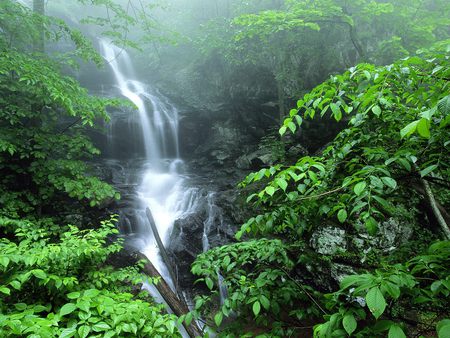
(322, 194)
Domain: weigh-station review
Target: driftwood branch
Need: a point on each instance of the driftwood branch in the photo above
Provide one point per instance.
(434, 206)
(163, 251)
(178, 306)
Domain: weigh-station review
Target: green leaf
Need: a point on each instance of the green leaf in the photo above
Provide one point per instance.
(342, 215)
(256, 308)
(83, 331)
(371, 225)
(38, 273)
(5, 290)
(396, 331)
(359, 188)
(376, 110)
(4, 261)
(270, 190)
(281, 182)
(376, 302)
(67, 308)
(91, 293)
(209, 283)
(265, 302)
(443, 328)
(428, 170)
(409, 129)
(282, 130)
(291, 125)
(336, 111)
(218, 318)
(423, 128)
(101, 326)
(349, 323)
(73, 295)
(69, 332)
(390, 182)
(188, 318)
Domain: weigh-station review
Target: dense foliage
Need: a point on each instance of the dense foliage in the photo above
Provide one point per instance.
(55, 277)
(388, 167)
(244, 53)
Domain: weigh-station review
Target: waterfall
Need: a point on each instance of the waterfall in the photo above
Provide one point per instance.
(161, 187)
(156, 181)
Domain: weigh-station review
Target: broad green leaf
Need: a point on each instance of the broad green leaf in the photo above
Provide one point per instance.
(67, 308)
(73, 295)
(409, 129)
(371, 225)
(375, 302)
(218, 318)
(69, 332)
(428, 170)
(282, 130)
(101, 326)
(396, 331)
(443, 328)
(349, 323)
(38, 273)
(359, 188)
(281, 183)
(4, 261)
(83, 331)
(376, 110)
(390, 182)
(256, 308)
(291, 125)
(209, 283)
(342, 215)
(91, 293)
(423, 128)
(265, 302)
(188, 318)
(270, 190)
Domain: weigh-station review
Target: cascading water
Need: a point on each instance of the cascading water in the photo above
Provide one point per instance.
(157, 181)
(162, 187)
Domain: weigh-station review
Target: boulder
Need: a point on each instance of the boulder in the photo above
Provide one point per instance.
(329, 240)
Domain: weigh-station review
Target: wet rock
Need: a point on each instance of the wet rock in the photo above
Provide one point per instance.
(340, 271)
(328, 240)
(255, 160)
(390, 235)
(297, 151)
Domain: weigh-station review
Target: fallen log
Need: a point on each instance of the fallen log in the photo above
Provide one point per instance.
(163, 251)
(178, 306)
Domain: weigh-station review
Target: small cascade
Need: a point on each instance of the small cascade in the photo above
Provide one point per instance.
(214, 219)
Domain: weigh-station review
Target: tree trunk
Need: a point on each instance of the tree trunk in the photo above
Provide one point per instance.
(38, 43)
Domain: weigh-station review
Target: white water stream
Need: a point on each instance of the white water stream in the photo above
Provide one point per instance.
(162, 188)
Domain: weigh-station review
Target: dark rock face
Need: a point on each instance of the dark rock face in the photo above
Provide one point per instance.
(214, 223)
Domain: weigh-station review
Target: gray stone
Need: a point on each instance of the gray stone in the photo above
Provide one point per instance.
(390, 234)
(340, 271)
(329, 240)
